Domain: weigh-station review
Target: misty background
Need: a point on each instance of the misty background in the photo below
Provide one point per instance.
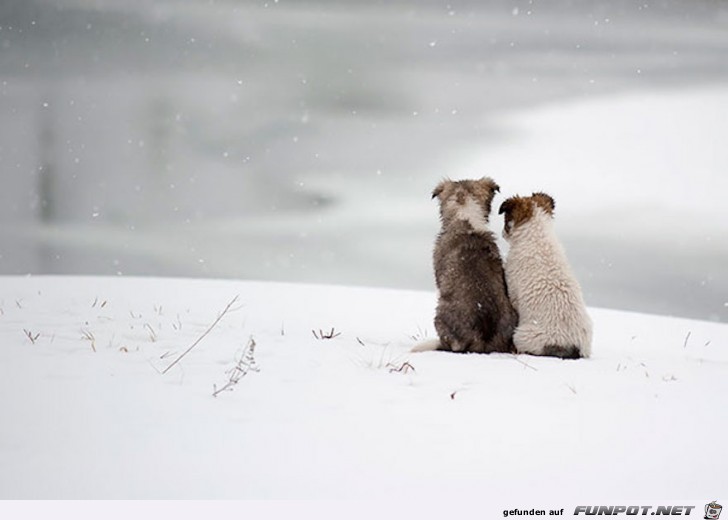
(300, 141)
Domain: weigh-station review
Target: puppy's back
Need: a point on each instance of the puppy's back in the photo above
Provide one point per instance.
(474, 313)
(553, 316)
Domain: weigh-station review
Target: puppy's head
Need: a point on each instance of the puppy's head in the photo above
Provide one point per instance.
(519, 210)
(460, 199)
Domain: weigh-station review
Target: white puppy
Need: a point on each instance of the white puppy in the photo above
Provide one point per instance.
(552, 315)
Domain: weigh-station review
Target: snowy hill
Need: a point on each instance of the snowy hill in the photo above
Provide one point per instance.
(87, 412)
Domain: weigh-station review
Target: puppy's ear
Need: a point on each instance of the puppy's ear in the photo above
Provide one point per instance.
(491, 184)
(545, 201)
(507, 206)
(438, 189)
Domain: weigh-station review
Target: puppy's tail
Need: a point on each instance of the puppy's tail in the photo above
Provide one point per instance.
(426, 346)
(571, 352)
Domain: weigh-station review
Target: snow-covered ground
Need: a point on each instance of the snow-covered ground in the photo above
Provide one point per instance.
(86, 412)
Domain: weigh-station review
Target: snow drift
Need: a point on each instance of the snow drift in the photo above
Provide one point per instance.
(87, 412)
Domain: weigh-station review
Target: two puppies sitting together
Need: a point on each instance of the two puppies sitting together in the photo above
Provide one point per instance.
(533, 304)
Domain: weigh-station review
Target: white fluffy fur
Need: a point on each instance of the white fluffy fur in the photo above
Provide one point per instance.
(472, 212)
(544, 291)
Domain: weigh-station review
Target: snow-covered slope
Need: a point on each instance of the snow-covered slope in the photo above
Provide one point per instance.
(86, 412)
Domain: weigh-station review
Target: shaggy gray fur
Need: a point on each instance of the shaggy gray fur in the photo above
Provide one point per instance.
(474, 313)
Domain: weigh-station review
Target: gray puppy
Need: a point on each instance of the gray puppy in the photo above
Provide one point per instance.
(474, 313)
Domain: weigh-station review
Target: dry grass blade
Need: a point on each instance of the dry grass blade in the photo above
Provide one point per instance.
(402, 369)
(420, 335)
(89, 336)
(325, 335)
(152, 333)
(197, 341)
(177, 324)
(526, 365)
(245, 364)
(32, 337)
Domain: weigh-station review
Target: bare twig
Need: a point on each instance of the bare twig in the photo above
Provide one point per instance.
(325, 335)
(152, 333)
(32, 337)
(526, 365)
(177, 325)
(245, 364)
(360, 341)
(96, 301)
(420, 335)
(403, 368)
(88, 335)
(685, 344)
(209, 329)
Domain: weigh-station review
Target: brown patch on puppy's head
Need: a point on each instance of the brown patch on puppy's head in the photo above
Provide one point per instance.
(544, 201)
(517, 211)
(521, 209)
(453, 195)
